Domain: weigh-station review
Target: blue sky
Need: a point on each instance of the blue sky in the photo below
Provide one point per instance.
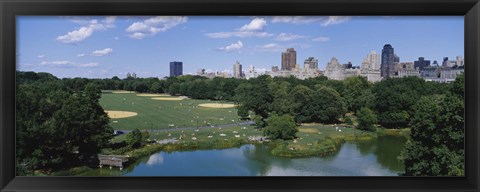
(103, 47)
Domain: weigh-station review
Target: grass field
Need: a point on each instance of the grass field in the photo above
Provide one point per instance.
(161, 114)
(216, 133)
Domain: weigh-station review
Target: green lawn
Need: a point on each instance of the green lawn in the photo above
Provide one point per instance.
(202, 134)
(158, 114)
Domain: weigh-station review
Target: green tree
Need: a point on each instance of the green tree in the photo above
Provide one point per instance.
(356, 93)
(256, 96)
(283, 102)
(174, 89)
(436, 146)
(145, 137)
(57, 125)
(242, 112)
(366, 119)
(394, 98)
(347, 120)
(326, 107)
(281, 127)
(134, 138)
(260, 122)
(458, 87)
(302, 95)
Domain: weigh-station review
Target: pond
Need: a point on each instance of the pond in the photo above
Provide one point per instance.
(372, 158)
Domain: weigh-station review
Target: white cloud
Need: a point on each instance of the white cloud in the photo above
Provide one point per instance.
(84, 32)
(273, 47)
(323, 20)
(232, 47)
(295, 19)
(288, 37)
(116, 38)
(332, 20)
(56, 63)
(41, 56)
(64, 63)
(321, 39)
(154, 25)
(252, 29)
(270, 47)
(110, 20)
(103, 52)
(137, 35)
(76, 36)
(88, 65)
(80, 54)
(256, 24)
(137, 26)
(238, 34)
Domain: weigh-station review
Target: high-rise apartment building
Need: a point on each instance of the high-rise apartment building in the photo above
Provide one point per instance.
(274, 68)
(237, 70)
(421, 63)
(176, 68)
(374, 59)
(388, 61)
(459, 61)
(448, 63)
(310, 63)
(289, 59)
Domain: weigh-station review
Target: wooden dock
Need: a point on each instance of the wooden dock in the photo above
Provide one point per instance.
(112, 160)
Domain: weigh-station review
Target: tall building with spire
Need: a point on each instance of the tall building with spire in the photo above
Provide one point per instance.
(289, 59)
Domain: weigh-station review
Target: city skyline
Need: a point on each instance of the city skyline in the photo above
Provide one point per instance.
(102, 47)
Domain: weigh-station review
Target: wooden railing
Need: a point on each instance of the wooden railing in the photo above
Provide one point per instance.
(112, 160)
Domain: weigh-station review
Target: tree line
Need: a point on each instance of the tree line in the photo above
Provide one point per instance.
(434, 111)
(57, 125)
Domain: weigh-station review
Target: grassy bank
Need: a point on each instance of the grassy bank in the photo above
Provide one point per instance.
(405, 132)
(312, 140)
(189, 140)
(320, 140)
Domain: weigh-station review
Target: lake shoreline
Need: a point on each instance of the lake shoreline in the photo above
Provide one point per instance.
(327, 146)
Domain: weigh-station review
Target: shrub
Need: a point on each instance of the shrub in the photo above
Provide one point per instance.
(366, 119)
(281, 127)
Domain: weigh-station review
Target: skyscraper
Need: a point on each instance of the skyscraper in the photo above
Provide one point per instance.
(374, 59)
(459, 62)
(421, 63)
(237, 70)
(310, 63)
(388, 59)
(176, 68)
(289, 59)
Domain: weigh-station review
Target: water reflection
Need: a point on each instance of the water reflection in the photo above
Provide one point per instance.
(386, 150)
(155, 159)
(376, 158)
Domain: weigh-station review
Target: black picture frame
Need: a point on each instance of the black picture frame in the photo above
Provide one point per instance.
(9, 9)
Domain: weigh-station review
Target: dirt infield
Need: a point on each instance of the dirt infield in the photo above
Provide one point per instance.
(216, 105)
(120, 114)
(152, 95)
(123, 91)
(308, 130)
(168, 98)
